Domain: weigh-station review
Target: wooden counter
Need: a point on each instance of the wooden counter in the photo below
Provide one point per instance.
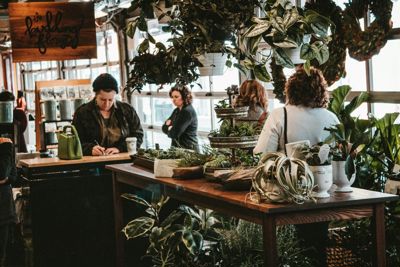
(38, 166)
(340, 206)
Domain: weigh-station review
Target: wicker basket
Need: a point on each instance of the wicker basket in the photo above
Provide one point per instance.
(337, 255)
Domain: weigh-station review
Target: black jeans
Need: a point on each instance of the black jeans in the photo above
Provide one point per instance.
(4, 230)
(314, 236)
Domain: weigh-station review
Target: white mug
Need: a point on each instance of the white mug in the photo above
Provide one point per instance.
(131, 145)
(293, 150)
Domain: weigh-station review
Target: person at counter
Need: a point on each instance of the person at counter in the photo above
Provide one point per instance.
(304, 117)
(181, 126)
(252, 94)
(7, 207)
(104, 123)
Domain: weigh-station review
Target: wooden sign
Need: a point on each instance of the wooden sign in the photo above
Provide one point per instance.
(52, 31)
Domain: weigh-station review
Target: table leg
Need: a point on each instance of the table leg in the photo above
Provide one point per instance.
(378, 228)
(119, 238)
(269, 239)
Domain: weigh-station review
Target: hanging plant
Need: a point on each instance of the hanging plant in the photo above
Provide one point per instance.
(334, 68)
(363, 45)
(279, 81)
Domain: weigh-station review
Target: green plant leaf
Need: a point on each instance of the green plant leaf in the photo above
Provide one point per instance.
(172, 217)
(290, 17)
(261, 73)
(321, 54)
(356, 102)
(286, 43)
(144, 46)
(138, 227)
(161, 47)
(282, 59)
(307, 52)
(189, 242)
(228, 63)
(338, 98)
(257, 29)
(131, 28)
(135, 198)
(241, 68)
(307, 66)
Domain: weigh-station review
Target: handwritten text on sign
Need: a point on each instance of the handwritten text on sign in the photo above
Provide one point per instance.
(52, 31)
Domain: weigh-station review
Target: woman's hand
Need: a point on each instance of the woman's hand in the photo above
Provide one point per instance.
(111, 151)
(98, 150)
(168, 122)
(5, 140)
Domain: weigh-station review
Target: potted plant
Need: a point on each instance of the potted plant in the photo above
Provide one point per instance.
(286, 29)
(274, 182)
(210, 29)
(349, 136)
(319, 158)
(234, 136)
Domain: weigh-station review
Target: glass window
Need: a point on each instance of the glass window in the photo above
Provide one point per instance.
(101, 49)
(162, 110)
(83, 74)
(355, 75)
(112, 46)
(203, 110)
(380, 109)
(396, 14)
(82, 62)
(162, 139)
(230, 77)
(386, 68)
(143, 108)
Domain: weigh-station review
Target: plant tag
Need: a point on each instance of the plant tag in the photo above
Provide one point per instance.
(323, 153)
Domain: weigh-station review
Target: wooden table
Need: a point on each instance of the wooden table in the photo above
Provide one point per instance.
(72, 211)
(340, 206)
(38, 166)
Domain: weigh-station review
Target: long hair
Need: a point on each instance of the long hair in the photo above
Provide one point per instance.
(252, 93)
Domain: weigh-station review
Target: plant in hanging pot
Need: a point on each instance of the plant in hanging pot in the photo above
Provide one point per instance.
(286, 29)
(209, 29)
(319, 158)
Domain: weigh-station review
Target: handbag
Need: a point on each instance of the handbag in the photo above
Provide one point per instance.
(69, 145)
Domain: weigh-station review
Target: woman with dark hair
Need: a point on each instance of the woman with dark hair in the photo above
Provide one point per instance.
(181, 126)
(304, 117)
(306, 113)
(21, 102)
(104, 123)
(252, 94)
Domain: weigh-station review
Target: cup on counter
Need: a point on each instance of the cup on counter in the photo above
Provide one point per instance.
(131, 145)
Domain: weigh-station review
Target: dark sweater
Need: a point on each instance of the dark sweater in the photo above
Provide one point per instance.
(7, 170)
(87, 123)
(184, 128)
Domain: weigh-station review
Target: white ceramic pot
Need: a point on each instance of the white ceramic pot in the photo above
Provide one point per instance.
(213, 64)
(340, 178)
(322, 180)
(164, 168)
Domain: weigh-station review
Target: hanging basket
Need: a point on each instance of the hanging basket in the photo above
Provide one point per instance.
(233, 142)
(213, 64)
(227, 113)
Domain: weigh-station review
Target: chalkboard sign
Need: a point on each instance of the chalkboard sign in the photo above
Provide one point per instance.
(52, 31)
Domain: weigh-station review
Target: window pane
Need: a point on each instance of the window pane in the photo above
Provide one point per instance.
(386, 67)
(101, 49)
(230, 77)
(162, 110)
(143, 108)
(97, 71)
(361, 112)
(380, 109)
(396, 14)
(148, 139)
(83, 74)
(115, 72)
(162, 139)
(204, 86)
(203, 110)
(215, 121)
(70, 74)
(112, 45)
(82, 62)
(355, 75)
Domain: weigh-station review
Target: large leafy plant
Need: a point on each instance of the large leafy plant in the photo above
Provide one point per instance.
(176, 240)
(286, 26)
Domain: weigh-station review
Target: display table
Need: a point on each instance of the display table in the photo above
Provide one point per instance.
(71, 210)
(340, 206)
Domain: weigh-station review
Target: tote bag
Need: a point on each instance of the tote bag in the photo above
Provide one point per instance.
(69, 145)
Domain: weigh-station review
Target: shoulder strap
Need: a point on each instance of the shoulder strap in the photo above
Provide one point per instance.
(285, 128)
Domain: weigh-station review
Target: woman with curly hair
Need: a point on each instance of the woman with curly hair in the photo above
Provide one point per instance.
(181, 126)
(304, 117)
(252, 94)
(305, 112)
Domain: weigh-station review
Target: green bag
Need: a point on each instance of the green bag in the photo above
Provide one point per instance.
(69, 145)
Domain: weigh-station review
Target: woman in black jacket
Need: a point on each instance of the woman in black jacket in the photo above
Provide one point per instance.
(7, 207)
(181, 126)
(103, 124)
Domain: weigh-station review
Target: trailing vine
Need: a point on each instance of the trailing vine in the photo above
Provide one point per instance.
(334, 68)
(363, 45)
(279, 80)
